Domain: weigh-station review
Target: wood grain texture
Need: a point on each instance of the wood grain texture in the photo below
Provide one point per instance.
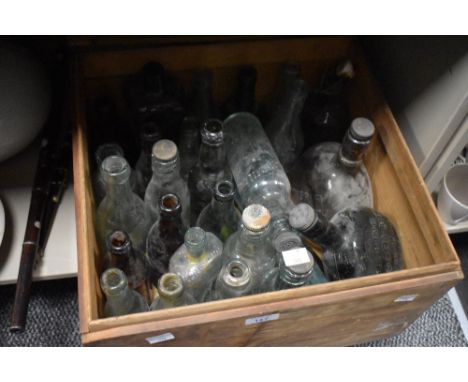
(338, 313)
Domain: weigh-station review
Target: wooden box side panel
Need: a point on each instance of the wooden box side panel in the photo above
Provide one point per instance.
(346, 318)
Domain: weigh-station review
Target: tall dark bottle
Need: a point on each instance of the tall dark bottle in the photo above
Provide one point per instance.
(243, 98)
(164, 237)
(356, 242)
(326, 114)
(211, 167)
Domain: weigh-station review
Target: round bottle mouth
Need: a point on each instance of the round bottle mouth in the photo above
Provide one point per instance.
(165, 150)
(170, 285)
(212, 132)
(362, 129)
(116, 167)
(224, 191)
(113, 281)
(302, 217)
(108, 150)
(236, 274)
(195, 240)
(256, 217)
(169, 203)
(118, 242)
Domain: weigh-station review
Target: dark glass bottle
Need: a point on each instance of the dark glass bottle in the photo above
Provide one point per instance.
(120, 254)
(164, 237)
(243, 98)
(326, 115)
(202, 104)
(284, 129)
(220, 216)
(356, 242)
(189, 144)
(211, 167)
(150, 133)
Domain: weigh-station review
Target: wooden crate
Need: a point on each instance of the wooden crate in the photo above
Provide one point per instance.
(338, 313)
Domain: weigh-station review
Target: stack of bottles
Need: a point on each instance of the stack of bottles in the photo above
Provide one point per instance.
(212, 209)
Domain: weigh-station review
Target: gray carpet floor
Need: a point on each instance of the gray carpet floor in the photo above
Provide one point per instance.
(53, 320)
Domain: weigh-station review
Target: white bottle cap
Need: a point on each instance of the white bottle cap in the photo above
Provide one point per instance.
(256, 217)
(165, 150)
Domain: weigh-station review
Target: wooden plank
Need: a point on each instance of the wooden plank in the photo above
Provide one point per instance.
(341, 318)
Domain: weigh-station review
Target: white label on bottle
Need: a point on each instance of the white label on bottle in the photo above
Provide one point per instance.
(260, 319)
(161, 338)
(295, 256)
(406, 298)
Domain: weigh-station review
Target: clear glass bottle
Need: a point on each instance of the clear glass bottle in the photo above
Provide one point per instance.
(356, 242)
(166, 179)
(243, 98)
(121, 209)
(259, 175)
(120, 254)
(234, 280)
(198, 261)
(103, 151)
(171, 293)
(149, 135)
(332, 177)
(210, 168)
(120, 299)
(285, 128)
(164, 237)
(189, 145)
(251, 243)
(202, 104)
(326, 116)
(220, 216)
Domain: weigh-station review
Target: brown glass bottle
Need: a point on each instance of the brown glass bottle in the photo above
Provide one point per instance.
(165, 236)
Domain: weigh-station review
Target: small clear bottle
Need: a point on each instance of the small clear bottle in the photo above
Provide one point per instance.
(333, 177)
(234, 280)
(150, 134)
(285, 128)
(220, 216)
(120, 254)
(120, 299)
(121, 209)
(103, 151)
(164, 237)
(198, 261)
(189, 144)
(171, 293)
(251, 243)
(211, 167)
(356, 242)
(166, 179)
(260, 178)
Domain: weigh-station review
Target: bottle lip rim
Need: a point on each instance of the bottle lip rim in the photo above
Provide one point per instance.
(174, 206)
(195, 237)
(236, 281)
(166, 283)
(212, 132)
(113, 281)
(224, 195)
(115, 165)
(125, 240)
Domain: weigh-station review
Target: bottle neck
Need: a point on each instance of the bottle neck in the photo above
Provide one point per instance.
(221, 206)
(212, 158)
(119, 192)
(352, 151)
(165, 170)
(169, 224)
(250, 243)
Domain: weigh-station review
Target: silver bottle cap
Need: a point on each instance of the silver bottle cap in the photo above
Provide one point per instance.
(256, 217)
(116, 167)
(236, 274)
(298, 260)
(170, 285)
(165, 150)
(362, 129)
(302, 216)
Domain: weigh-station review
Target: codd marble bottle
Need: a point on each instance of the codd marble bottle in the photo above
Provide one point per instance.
(164, 237)
(120, 299)
(356, 242)
(189, 144)
(121, 255)
(103, 151)
(251, 244)
(121, 209)
(198, 261)
(149, 135)
(234, 280)
(260, 178)
(210, 168)
(243, 98)
(220, 216)
(166, 179)
(284, 128)
(332, 177)
(171, 293)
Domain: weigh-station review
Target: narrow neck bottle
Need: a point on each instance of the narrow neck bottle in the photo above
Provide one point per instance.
(165, 161)
(114, 284)
(234, 280)
(120, 251)
(255, 231)
(355, 143)
(106, 150)
(212, 155)
(171, 290)
(292, 105)
(170, 215)
(223, 198)
(115, 172)
(195, 241)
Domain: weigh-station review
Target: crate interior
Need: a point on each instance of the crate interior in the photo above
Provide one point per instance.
(105, 73)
